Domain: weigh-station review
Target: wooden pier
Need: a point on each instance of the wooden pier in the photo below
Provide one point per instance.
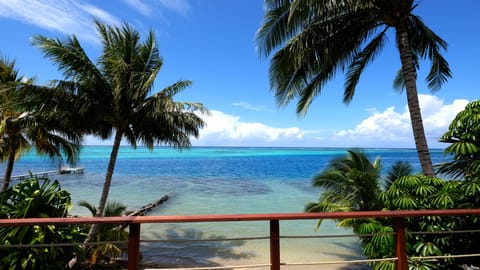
(71, 170)
(61, 170)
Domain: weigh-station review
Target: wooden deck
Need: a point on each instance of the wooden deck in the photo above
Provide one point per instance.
(135, 222)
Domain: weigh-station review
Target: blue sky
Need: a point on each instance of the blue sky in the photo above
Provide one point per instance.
(212, 43)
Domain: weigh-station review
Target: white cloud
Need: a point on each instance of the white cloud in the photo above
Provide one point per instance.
(140, 7)
(250, 107)
(101, 15)
(180, 6)
(148, 8)
(393, 129)
(224, 129)
(228, 130)
(64, 16)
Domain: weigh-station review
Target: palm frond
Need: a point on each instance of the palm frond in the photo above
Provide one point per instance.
(399, 169)
(427, 44)
(275, 29)
(90, 207)
(359, 63)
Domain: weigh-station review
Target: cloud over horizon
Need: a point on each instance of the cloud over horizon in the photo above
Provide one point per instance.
(228, 130)
(393, 129)
(388, 128)
(382, 129)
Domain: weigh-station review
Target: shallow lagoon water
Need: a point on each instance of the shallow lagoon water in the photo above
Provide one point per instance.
(217, 180)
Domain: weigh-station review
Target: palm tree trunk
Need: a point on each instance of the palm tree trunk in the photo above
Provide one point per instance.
(106, 185)
(8, 171)
(409, 75)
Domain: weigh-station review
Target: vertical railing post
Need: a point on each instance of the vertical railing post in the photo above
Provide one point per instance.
(400, 243)
(274, 245)
(133, 246)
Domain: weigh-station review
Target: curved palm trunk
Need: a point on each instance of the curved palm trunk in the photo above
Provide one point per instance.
(106, 185)
(408, 70)
(8, 170)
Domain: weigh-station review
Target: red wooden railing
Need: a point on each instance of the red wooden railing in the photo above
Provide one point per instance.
(134, 224)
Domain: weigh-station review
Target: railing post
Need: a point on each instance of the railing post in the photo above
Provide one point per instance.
(274, 245)
(133, 246)
(400, 243)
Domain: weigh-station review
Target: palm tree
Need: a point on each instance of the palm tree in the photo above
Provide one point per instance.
(310, 40)
(354, 183)
(349, 183)
(110, 233)
(114, 94)
(399, 169)
(28, 119)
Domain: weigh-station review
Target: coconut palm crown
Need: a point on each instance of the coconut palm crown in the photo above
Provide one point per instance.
(32, 116)
(310, 40)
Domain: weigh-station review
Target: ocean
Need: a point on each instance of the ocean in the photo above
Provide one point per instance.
(217, 180)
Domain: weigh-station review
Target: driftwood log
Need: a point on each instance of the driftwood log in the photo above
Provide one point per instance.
(147, 208)
(144, 210)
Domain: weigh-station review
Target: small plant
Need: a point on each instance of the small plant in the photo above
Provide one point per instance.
(106, 252)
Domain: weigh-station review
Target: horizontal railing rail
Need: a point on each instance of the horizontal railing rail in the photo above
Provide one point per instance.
(134, 223)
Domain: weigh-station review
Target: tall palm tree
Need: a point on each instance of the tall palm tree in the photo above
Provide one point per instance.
(310, 40)
(114, 94)
(28, 119)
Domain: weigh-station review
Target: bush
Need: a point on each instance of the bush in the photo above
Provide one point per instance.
(37, 198)
(421, 192)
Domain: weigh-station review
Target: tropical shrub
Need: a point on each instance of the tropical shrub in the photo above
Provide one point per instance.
(37, 198)
(353, 183)
(426, 235)
(341, 191)
(464, 139)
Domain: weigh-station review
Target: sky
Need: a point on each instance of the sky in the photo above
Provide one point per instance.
(213, 44)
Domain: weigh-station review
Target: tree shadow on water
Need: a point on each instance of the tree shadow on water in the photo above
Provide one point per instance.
(190, 248)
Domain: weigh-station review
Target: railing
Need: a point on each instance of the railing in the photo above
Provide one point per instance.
(134, 223)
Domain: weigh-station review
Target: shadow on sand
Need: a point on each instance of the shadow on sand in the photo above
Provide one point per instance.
(356, 254)
(183, 249)
(192, 248)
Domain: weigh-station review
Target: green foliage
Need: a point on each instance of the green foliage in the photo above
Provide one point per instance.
(306, 53)
(464, 139)
(32, 115)
(36, 198)
(416, 192)
(344, 181)
(399, 169)
(107, 252)
(349, 183)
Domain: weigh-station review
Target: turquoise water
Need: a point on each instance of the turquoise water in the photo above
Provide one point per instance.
(211, 180)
